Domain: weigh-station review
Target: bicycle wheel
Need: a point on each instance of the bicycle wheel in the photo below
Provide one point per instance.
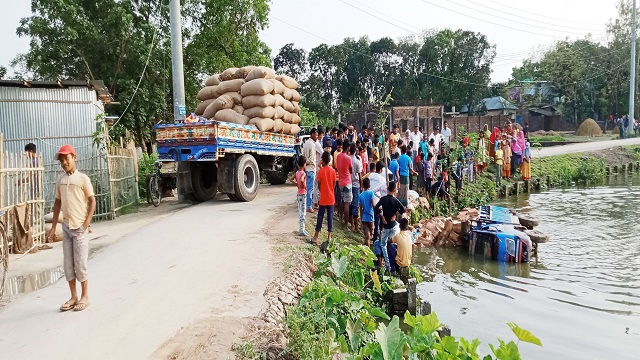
(154, 190)
(4, 258)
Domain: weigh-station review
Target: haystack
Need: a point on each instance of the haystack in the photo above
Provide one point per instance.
(589, 127)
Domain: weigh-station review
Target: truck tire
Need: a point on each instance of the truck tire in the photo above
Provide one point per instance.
(247, 178)
(232, 197)
(204, 181)
(278, 177)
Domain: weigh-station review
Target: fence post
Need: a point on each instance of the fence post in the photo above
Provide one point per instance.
(2, 167)
(111, 194)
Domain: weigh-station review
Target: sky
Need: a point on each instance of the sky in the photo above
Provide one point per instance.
(517, 28)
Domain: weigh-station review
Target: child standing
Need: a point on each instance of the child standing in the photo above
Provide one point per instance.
(506, 166)
(326, 184)
(366, 202)
(300, 178)
(499, 157)
(428, 173)
(405, 250)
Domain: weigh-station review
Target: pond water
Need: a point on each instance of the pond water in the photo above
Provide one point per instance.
(581, 297)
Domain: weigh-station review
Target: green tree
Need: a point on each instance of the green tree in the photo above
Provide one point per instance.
(3, 72)
(292, 61)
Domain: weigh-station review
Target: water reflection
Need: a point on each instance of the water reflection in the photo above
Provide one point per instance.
(581, 296)
(32, 282)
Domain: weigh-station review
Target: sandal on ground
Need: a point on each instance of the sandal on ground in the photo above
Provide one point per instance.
(80, 306)
(310, 241)
(67, 306)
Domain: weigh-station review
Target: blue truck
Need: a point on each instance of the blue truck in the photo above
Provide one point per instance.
(213, 157)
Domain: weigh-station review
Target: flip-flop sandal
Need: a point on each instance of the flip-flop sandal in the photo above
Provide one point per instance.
(67, 306)
(310, 241)
(80, 306)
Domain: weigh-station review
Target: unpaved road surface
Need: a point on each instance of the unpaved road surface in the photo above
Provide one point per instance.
(583, 147)
(211, 259)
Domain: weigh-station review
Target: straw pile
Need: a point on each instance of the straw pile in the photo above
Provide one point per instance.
(589, 127)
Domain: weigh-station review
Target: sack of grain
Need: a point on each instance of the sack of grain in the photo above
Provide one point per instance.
(262, 124)
(295, 95)
(286, 128)
(229, 115)
(239, 109)
(288, 117)
(280, 112)
(203, 105)
(287, 94)
(288, 81)
(260, 112)
(279, 100)
(278, 87)
(288, 106)
(256, 87)
(295, 119)
(257, 100)
(213, 80)
(229, 74)
(208, 92)
(58, 234)
(48, 218)
(295, 129)
(230, 86)
(296, 107)
(244, 71)
(278, 124)
(261, 72)
(222, 102)
(237, 98)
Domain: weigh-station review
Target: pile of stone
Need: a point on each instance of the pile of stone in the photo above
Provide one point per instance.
(443, 231)
(252, 95)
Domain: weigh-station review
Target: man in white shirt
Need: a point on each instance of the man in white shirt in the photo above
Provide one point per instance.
(446, 134)
(309, 152)
(319, 151)
(415, 137)
(436, 139)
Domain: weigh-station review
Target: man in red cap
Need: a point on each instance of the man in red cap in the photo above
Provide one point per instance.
(75, 197)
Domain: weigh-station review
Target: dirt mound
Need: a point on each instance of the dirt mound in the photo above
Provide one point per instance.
(589, 127)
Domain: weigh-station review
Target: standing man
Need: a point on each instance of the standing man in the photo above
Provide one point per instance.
(405, 170)
(319, 151)
(394, 137)
(345, 169)
(416, 137)
(309, 152)
(446, 134)
(75, 197)
(389, 209)
(437, 138)
(29, 184)
(356, 184)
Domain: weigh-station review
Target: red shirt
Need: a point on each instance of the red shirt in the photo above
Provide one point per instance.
(326, 183)
(344, 169)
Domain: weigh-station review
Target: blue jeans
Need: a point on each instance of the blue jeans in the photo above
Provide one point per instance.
(321, 210)
(376, 226)
(302, 202)
(355, 210)
(311, 178)
(384, 236)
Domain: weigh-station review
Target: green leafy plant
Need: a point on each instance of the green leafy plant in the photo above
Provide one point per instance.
(145, 167)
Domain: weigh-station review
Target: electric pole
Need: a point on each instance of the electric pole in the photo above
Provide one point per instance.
(632, 74)
(179, 108)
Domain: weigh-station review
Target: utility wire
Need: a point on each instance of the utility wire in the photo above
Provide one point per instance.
(546, 16)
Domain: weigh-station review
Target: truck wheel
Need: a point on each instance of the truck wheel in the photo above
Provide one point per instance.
(204, 180)
(232, 197)
(277, 177)
(247, 178)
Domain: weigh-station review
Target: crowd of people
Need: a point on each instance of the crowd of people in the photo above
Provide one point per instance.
(364, 178)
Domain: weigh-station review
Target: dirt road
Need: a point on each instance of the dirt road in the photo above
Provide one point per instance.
(207, 260)
(583, 147)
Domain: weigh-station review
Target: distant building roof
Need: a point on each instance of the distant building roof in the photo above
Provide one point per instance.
(98, 85)
(491, 104)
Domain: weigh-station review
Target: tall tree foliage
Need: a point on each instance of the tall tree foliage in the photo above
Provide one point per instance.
(112, 40)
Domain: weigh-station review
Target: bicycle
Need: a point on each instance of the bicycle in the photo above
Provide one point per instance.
(154, 185)
(4, 255)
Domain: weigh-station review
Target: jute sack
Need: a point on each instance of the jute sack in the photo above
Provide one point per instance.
(262, 124)
(279, 100)
(58, 235)
(296, 107)
(237, 98)
(278, 124)
(213, 80)
(257, 100)
(288, 81)
(286, 128)
(261, 72)
(278, 87)
(256, 87)
(203, 105)
(280, 113)
(287, 94)
(230, 86)
(229, 115)
(239, 109)
(222, 102)
(207, 92)
(48, 218)
(295, 129)
(244, 71)
(288, 117)
(295, 119)
(295, 95)
(229, 74)
(260, 112)
(288, 106)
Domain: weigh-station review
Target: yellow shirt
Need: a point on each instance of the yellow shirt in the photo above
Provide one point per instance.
(394, 141)
(499, 155)
(74, 192)
(405, 248)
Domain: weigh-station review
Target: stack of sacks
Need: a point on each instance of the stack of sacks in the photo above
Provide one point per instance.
(446, 232)
(252, 95)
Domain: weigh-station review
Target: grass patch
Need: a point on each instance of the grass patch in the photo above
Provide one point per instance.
(546, 138)
(246, 351)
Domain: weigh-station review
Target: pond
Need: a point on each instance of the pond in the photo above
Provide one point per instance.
(581, 297)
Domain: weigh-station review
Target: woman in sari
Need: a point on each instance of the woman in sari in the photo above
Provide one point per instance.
(525, 168)
(482, 153)
(494, 140)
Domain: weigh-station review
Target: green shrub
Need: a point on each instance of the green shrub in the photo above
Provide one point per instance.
(145, 167)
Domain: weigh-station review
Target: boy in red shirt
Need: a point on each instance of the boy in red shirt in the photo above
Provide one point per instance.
(345, 168)
(326, 179)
